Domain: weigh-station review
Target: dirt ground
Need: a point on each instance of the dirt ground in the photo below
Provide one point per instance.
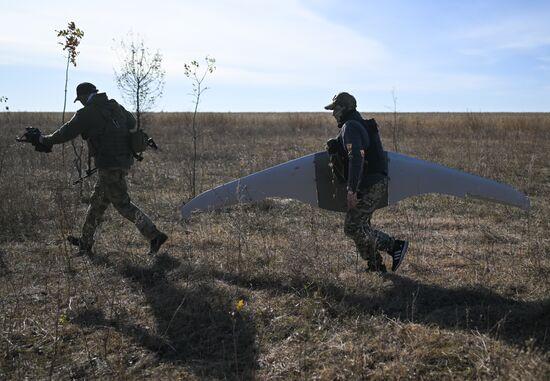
(274, 290)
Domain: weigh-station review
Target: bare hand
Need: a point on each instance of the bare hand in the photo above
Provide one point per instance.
(352, 200)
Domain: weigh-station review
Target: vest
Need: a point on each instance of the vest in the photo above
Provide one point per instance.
(377, 162)
(110, 139)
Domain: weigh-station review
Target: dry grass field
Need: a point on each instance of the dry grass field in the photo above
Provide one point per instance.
(470, 302)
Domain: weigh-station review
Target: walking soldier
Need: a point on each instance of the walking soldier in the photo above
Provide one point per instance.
(106, 126)
(357, 157)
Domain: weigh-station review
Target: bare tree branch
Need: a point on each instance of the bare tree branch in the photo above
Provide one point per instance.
(140, 77)
(192, 71)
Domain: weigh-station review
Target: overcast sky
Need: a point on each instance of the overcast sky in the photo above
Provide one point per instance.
(292, 55)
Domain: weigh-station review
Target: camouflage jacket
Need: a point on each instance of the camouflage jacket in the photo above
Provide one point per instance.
(105, 125)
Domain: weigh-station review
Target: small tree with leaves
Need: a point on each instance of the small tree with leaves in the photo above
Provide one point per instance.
(140, 76)
(70, 40)
(197, 74)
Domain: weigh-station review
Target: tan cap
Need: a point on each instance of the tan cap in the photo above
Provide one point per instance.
(345, 100)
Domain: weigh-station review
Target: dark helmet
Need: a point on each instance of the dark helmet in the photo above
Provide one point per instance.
(85, 88)
(345, 100)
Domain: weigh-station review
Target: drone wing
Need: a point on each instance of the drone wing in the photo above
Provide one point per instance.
(293, 179)
(310, 180)
(411, 177)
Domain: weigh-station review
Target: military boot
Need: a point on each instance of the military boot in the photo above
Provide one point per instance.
(84, 248)
(157, 242)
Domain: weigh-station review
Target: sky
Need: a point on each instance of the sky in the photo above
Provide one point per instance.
(290, 55)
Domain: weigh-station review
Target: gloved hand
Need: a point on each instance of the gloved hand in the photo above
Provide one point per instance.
(41, 147)
(33, 135)
(332, 146)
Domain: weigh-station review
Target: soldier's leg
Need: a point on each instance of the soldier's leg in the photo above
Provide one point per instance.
(358, 226)
(98, 204)
(118, 195)
(373, 199)
(354, 227)
(397, 249)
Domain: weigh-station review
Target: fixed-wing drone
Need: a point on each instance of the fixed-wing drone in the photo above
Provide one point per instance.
(310, 180)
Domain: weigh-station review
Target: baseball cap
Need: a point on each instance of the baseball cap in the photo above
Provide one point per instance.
(85, 88)
(343, 99)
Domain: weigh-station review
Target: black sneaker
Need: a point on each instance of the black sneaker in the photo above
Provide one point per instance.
(398, 253)
(157, 242)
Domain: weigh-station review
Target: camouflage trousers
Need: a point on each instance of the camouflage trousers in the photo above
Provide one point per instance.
(111, 188)
(358, 227)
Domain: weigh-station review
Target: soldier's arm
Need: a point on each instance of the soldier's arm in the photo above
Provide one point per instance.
(66, 132)
(354, 144)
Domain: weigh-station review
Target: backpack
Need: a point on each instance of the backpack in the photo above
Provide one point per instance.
(370, 125)
(136, 138)
(139, 141)
(375, 156)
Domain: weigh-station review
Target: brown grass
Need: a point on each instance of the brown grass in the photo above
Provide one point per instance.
(471, 301)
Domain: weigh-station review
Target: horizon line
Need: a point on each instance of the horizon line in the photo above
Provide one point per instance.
(297, 112)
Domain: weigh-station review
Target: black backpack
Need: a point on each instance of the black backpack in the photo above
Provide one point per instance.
(376, 157)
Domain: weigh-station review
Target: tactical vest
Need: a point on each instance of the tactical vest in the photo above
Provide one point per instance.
(111, 142)
(377, 161)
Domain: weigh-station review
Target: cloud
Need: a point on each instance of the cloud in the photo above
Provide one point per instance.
(269, 50)
(266, 42)
(527, 30)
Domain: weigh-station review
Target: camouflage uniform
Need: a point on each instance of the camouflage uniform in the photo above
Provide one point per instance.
(106, 126)
(363, 166)
(111, 188)
(357, 224)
